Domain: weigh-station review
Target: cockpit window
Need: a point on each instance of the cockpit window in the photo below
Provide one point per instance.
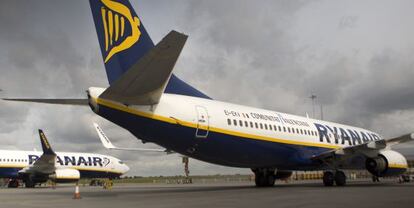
(120, 162)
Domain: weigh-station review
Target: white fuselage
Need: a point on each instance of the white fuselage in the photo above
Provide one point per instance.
(14, 160)
(214, 122)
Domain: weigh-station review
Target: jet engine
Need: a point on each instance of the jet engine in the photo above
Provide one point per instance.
(65, 176)
(387, 163)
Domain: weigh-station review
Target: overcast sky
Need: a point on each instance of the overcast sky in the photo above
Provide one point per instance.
(356, 56)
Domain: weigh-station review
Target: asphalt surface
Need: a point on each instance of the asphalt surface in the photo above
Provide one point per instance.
(310, 194)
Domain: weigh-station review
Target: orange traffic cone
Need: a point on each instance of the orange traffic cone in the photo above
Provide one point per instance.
(77, 193)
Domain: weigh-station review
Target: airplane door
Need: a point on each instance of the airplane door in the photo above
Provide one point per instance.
(202, 122)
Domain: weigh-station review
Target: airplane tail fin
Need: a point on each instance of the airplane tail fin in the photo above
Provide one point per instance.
(124, 40)
(122, 36)
(47, 149)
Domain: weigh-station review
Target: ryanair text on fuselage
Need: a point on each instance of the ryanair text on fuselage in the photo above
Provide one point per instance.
(344, 136)
(75, 160)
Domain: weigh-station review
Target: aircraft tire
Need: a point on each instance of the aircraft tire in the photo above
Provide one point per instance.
(340, 178)
(29, 184)
(328, 178)
(264, 179)
(270, 180)
(260, 180)
(13, 184)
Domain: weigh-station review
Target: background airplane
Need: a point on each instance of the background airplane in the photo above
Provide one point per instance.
(145, 98)
(61, 167)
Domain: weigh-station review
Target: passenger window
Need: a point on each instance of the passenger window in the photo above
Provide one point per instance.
(301, 131)
(265, 125)
(270, 127)
(246, 124)
(241, 123)
(261, 126)
(235, 122)
(255, 124)
(284, 129)
(229, 122)
(289, 129)
(280, 128)
(251, 124)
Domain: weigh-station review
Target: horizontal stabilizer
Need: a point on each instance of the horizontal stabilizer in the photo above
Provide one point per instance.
(51, 101)
(145, 81)
(108, 144)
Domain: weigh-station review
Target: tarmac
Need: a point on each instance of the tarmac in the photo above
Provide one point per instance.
(295, 194)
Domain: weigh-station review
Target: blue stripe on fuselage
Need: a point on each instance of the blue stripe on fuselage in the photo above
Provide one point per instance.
(218, 148)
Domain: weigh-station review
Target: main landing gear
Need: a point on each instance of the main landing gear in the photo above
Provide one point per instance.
(264, 177)
(13, 183)
(29, 183)
(338, 177)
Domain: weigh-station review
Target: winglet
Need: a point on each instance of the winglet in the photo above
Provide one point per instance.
(108, 144)
(47, 149)
(104, 139)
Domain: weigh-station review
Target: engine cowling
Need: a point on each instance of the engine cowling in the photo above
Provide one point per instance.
(283, 174)
(65, 176)
(387, 163)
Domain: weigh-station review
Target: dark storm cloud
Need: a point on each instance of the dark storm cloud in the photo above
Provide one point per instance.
(270, 54)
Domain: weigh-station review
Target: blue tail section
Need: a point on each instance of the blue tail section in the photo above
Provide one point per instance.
(123, 41)
(122, 36)
(47, 149)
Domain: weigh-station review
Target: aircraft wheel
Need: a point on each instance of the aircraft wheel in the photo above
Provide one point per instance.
(328, 178)
(13, 183)
(340, 178)
(259, 180)
(270, 180)
(264, 178)
(29, 184)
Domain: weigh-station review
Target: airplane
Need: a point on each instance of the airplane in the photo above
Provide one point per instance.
(33, 167)
(146, 98)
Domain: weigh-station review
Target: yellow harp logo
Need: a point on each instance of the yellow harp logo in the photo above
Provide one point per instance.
(114, 15)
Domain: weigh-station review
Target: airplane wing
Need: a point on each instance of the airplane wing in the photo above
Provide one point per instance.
(365, 149)
(144, 82)
(46, 163)
(108, 144)
(400, 139)
(51, 101)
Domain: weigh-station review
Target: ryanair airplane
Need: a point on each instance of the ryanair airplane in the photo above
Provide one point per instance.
(35, 167)
(148, 100)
